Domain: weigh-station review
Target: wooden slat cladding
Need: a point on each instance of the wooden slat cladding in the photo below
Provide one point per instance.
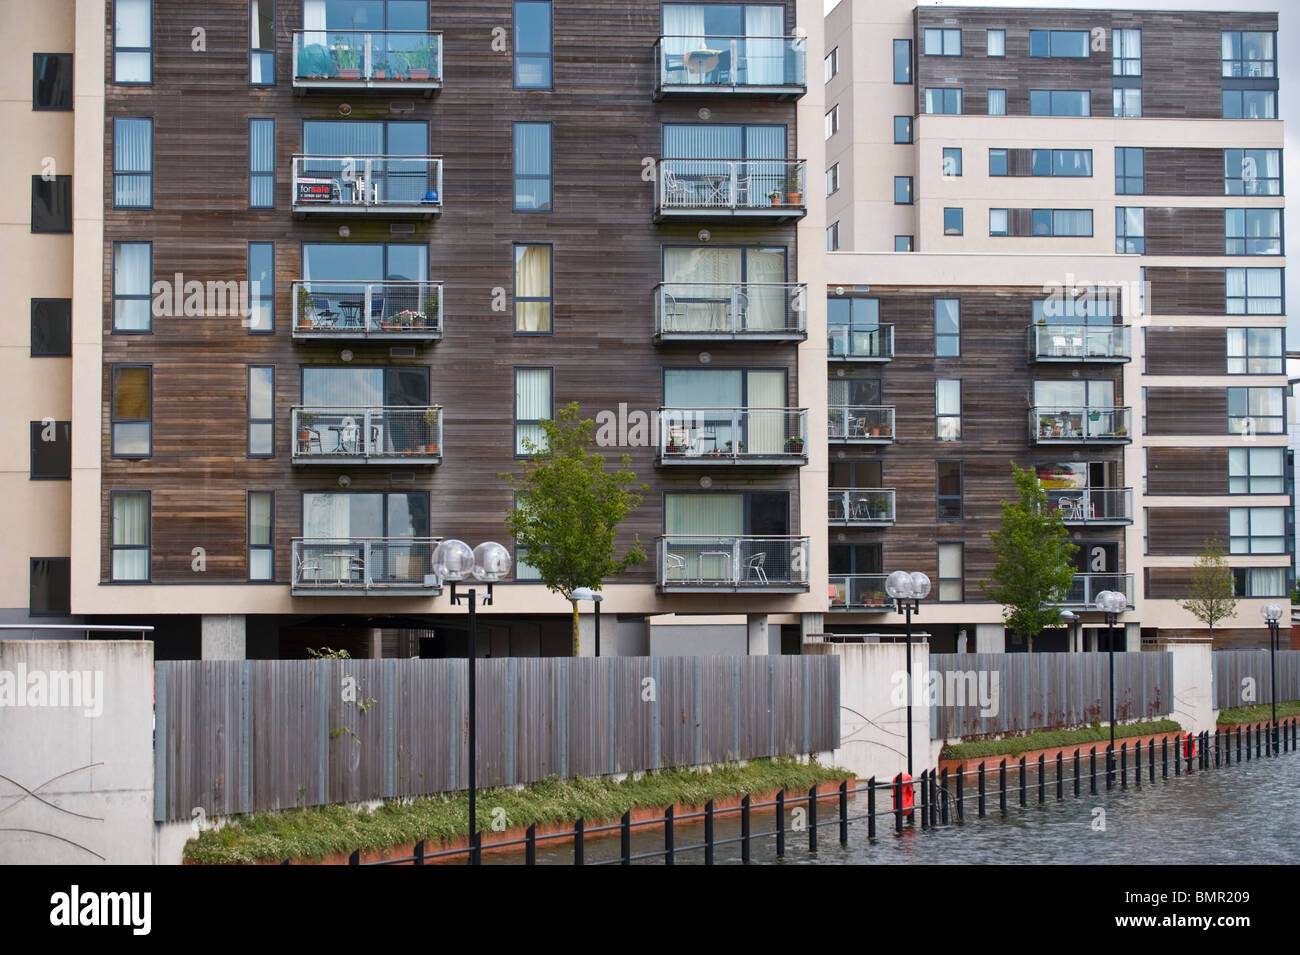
(1182, 531)
(607, 259)
(1187, 471)
(1184, 231)
(1183, 172)
(1186, 351)
(1187, 411)
(1186, 291)
(1184, 45)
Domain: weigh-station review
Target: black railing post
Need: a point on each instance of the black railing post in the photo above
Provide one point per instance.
(1076, 772)
(355, 857)
(1259, 731)
(1239, 743)
(1137, 763)
(708, 832)
(1248, 742)
(934, 798)
(780, 823)
(744, 829)
(925, 798)
(1216, 747)
(530, 845)
(476, 848)
(844, 812)
(981, 790)
(961, 792)
(1060, 775)
(670, 835)
(1002, 786)
(1023, 794)
(812, 819)
(1178, 756)
(871, 808)
(1164, 758)
(1042, 778)
(577, 843)
(943, 794)
(1205, 749)
(1092, 769)
(625, 837)
(419, 853)
(1123, 765)
(1110, 767)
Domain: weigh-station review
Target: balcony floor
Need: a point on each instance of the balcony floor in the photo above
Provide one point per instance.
(779, 91)
(358, 334)
(727, 587)
(367, 210)
(761, 214)
(426, 88)
(717, 336)
(392, 460)
(753, 461)
(329, 588)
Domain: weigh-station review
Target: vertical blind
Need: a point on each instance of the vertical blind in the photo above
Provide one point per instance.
(532, 404)
(132, 162)
(130, 530)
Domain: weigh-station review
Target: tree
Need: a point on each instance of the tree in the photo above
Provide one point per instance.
(568, 509)
(1035, 560)
(1210, 597)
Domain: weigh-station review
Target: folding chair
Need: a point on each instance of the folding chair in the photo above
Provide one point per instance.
(754, 566)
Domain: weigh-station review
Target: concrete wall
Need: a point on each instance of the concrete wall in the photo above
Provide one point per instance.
(1193, 683)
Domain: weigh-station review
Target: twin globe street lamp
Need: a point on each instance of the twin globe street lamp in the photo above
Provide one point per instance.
(1112, 604)
(1272, 614)
(908, 590)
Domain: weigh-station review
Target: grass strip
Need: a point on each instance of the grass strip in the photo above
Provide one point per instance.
(1050, 739)
(1264, 711)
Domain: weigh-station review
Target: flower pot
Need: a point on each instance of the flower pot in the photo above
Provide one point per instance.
(794, 198)
(349, 74)
(381, 74)
(419, 74)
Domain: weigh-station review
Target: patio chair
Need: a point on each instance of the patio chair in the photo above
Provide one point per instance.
(677, 193)
(348, 436)
(304, 566)
(675, 562)
(754, 567)
(376, 311)
(674, 314)
(324, 312)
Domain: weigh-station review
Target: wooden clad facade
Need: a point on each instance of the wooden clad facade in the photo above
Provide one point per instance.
(1180, 350)
(1173, 471)
(1182, 411)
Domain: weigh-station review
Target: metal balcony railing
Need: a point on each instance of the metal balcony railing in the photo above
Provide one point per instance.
(1085, 587)
(860, 342)
(859, 592)
(763, 436)
(1093, 505)
(708, 563)
(1079, 425)
(753, 65)
(1080, 343)
(384, 310)
(860, 507)
(697, 311)
(367, 185)
(377, 59)
(757, 188)
(362, 565)
(356, 435)
(861, 424)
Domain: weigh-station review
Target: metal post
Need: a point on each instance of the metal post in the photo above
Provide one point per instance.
(1123, 765)
(1272, 676)
(419, 853)
(1137, 764)
(625, 837)
(780, 823)
(1248, 742)
(943, 791)
(597, 603)
(473, 727)
(871, 808)
(708, 832)
(925, 798)
(1110, 652)
(934, 798)
(1216, 747)
(1076, 772)
(898, 804)
(812, 819)
(744, 829)
(1002, 786)
(1151, 760)
(844, 812)
(1238, 744)
(981, 790)
(909, 689)
(1110, 768)
(1022, 781)
(1092, 769)
(578, 843)
(670, 848)
(530, 845)
(1178, 757)
(961, 792)
(1060, 781)
(1042, 778)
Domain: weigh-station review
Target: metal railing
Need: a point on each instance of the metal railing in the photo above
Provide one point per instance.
(759, 186)
(860, 342)
(861, 424)
(367, 183)
(1080, 343)
(860, 506)
(353, 434)
(1093, 505)
(352, 564)
(859, 592)
(688, 561)
(1079, 425)
(733, 435)
(350, 58)
(399, 310)
(702, 310)
(730, 64)
(1085, 587)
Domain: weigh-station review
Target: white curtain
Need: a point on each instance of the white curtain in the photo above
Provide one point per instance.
(532, 403)
(767, 424)
(700, 283)
(132, 268)
(683, 31)
(532, 280)
(766, 293)
(764, 46)
(313, 19)
(132, 154)
(260, 554)
(131, 529)
(722, 514)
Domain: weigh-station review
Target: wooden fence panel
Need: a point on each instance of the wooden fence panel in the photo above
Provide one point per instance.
(1233, 667)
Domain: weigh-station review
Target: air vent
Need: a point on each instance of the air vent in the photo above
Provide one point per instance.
(401, 228)
(862, 288)
(401, 106)
(402, 477)
(402, 351)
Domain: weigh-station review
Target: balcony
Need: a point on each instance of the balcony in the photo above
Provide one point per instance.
(860, 507)
(860, 424)
(367, 185)
(735, 66)
(768, 190)
(1073, 344)
(1093, 506)
(715, 437)
(697, 312)
(1085, 587)
(383, 61)
(395, 436)
(866, 343)
(724, 564)
(859, 592)
(383, 311)
(351, 566)
(1079, 425)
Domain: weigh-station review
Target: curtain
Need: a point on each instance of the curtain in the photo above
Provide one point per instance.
(700, 282)
(260, 553)
(683, 31)
(327, 516)
(132, 162)
(131, 529)
(313, 19)
(1265, 582)
(764, 55)
(997, 102)
(767, 416)
(343, 387)
(132, 271)
(1264, 288)
(765, 291)
(1128, 46)
(532, 403)
(532, 280)
(532, 165)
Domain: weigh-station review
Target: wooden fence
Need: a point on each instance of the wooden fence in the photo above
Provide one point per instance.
(256, 735)
(1043, 690)
(1233, 667)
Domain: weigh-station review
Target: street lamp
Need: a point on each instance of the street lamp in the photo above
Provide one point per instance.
(586, 593)
(1112, 604)
(908, 590)
(453, 561)
(1272, 613)
(1072, 620)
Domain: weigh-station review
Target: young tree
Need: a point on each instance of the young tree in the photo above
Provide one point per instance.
(1210, 598)
(568, 509)
(1034, 566)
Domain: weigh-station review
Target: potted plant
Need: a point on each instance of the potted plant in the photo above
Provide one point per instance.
(306, 421)
(418, 63)
(306, 308)
(774, 197)
(406, 318)
(794, 445)
(431, 431)
(793, 189)
(397, 63)
(674, 449)
(379, 69)
(345, 59)
(431, 308)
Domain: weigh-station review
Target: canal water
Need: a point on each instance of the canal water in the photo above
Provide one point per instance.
(1234, 814)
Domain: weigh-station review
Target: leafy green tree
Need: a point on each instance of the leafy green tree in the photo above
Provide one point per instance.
(1210, 597)
(568, 508)
(1035, 560)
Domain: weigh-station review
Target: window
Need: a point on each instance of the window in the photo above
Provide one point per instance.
(261, 163)
(1252, 231)
(995, 42)
(1255, 351)
(1249, 104)
(1130, 231)
(903, 129)
(831, 64)
(997, 162)
(1061, 162)
(49, 587)
(1130, 175)
(939, 42)
(532, 167)
(947, 327)
(1256, 530)
(833, 179)
(1256, 471)
(903, 243)
(532, 45)
(1249, 53)
(902, 190)
(952, 220)
(261, 287)
(261, 411)
(948, 490)
(1126, 52)
(130, 547)
(261, 42)
(133, 41)
(51, 327)
(261, 543)
(945, 101)
(902, 61)
(1126, 102)
(533, 290)
(1060, 103)
(952, 161)
(52, 204)
(1062, 222)
(998, 222)
(132, 434)
(132, 163)
(1254, 291)
(947, 409)
(1059, 43)
(534, 402)
(1256, 411)
(51, 452)
(952, 586)
(833, 121)
(1252, 172)
(51, 81)
(1259, 581)
(997, 102)
(833, 236)
(132, 282)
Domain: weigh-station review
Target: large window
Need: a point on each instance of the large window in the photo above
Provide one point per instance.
(946, 101)
(132, 284)
(947, 409)
(904, 243)
(261, 411)
(132, 411)
(903, 130)
(261, 286)
(532, 45)
(832, 121)
(1061, 162)
(1060, 103)
(1256, 530)
(902, 61)
(132, 163)
(1130, 171)
(1249, 104)
(1126, 102)
(49, 587)
(355, 515)
(51, 204)
(130, 545)
(534, 403)
(365, 262)
(261, 540)
(1252, 231)
(997, 102)
(51, 327)
(712, 399)
(698, 283)
(1255, 351)
(350, 137)
(1071, 44)
(133, 41)
(532, 167)
(261, 163)
(1254, 291)
(1256, 411)
(261, 42)
(1062, 222)
(942, 42)
(952, 584)
(947, 327)
(533, 289)
(394, 386)
(902, 190)
(722, 514)
(1259, 581)
(995, 42)
(1249, 53)
(951, 161)
(1126, 52)
(1256, 470)
(1130, 230)
(948, 490)
(1252, 172)
(998, 164)
(51, 81)
(954, 220)
(51, 453)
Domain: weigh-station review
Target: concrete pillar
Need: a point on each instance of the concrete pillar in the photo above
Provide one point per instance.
(1193, 703)
(990, 638)
(222, 637)
(1132, 637)
(810, 623)
(760, 639)
(376, 644)
(587, 636)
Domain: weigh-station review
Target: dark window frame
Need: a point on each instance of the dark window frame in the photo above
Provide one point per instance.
(910, 190)
(514, 47)
(945, 34)
(251, 420)
(264, 297)
(65, 333)
(906, 48)
(1119, 102)
(516, 298)
(1051, 37)
(262, 50)
(943, 161)
(1240, 245)
(1246, 357)
(940, 580)
(32, 562)
(134, 297)
(945, 90)
(1228, 180)
(516, 176)
(909, 241)
(908, 120)
(961, 220)
(959, 497)
(1249, 475)
(147, 546)
(135, 173)
(1126, 244)
(135, 49)
(58, 181)
(114, 420)
(63, 428)
(960, 415)
(1125, 178)
(934, 317)
(744, 494)
(65, 61)
(1051, 100)
(248, 535)
(261, 175)
(516, 421)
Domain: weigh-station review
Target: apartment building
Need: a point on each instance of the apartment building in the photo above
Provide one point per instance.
(1057, 240)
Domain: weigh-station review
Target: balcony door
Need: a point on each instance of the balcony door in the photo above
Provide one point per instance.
(705, 284)
(757, 29)
(730, 405)
(1075, 402)
(847, 565)
(727, 165)
(361, 388)
(365, 15)
(398, 180)
(700, 528)
(355, 524)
